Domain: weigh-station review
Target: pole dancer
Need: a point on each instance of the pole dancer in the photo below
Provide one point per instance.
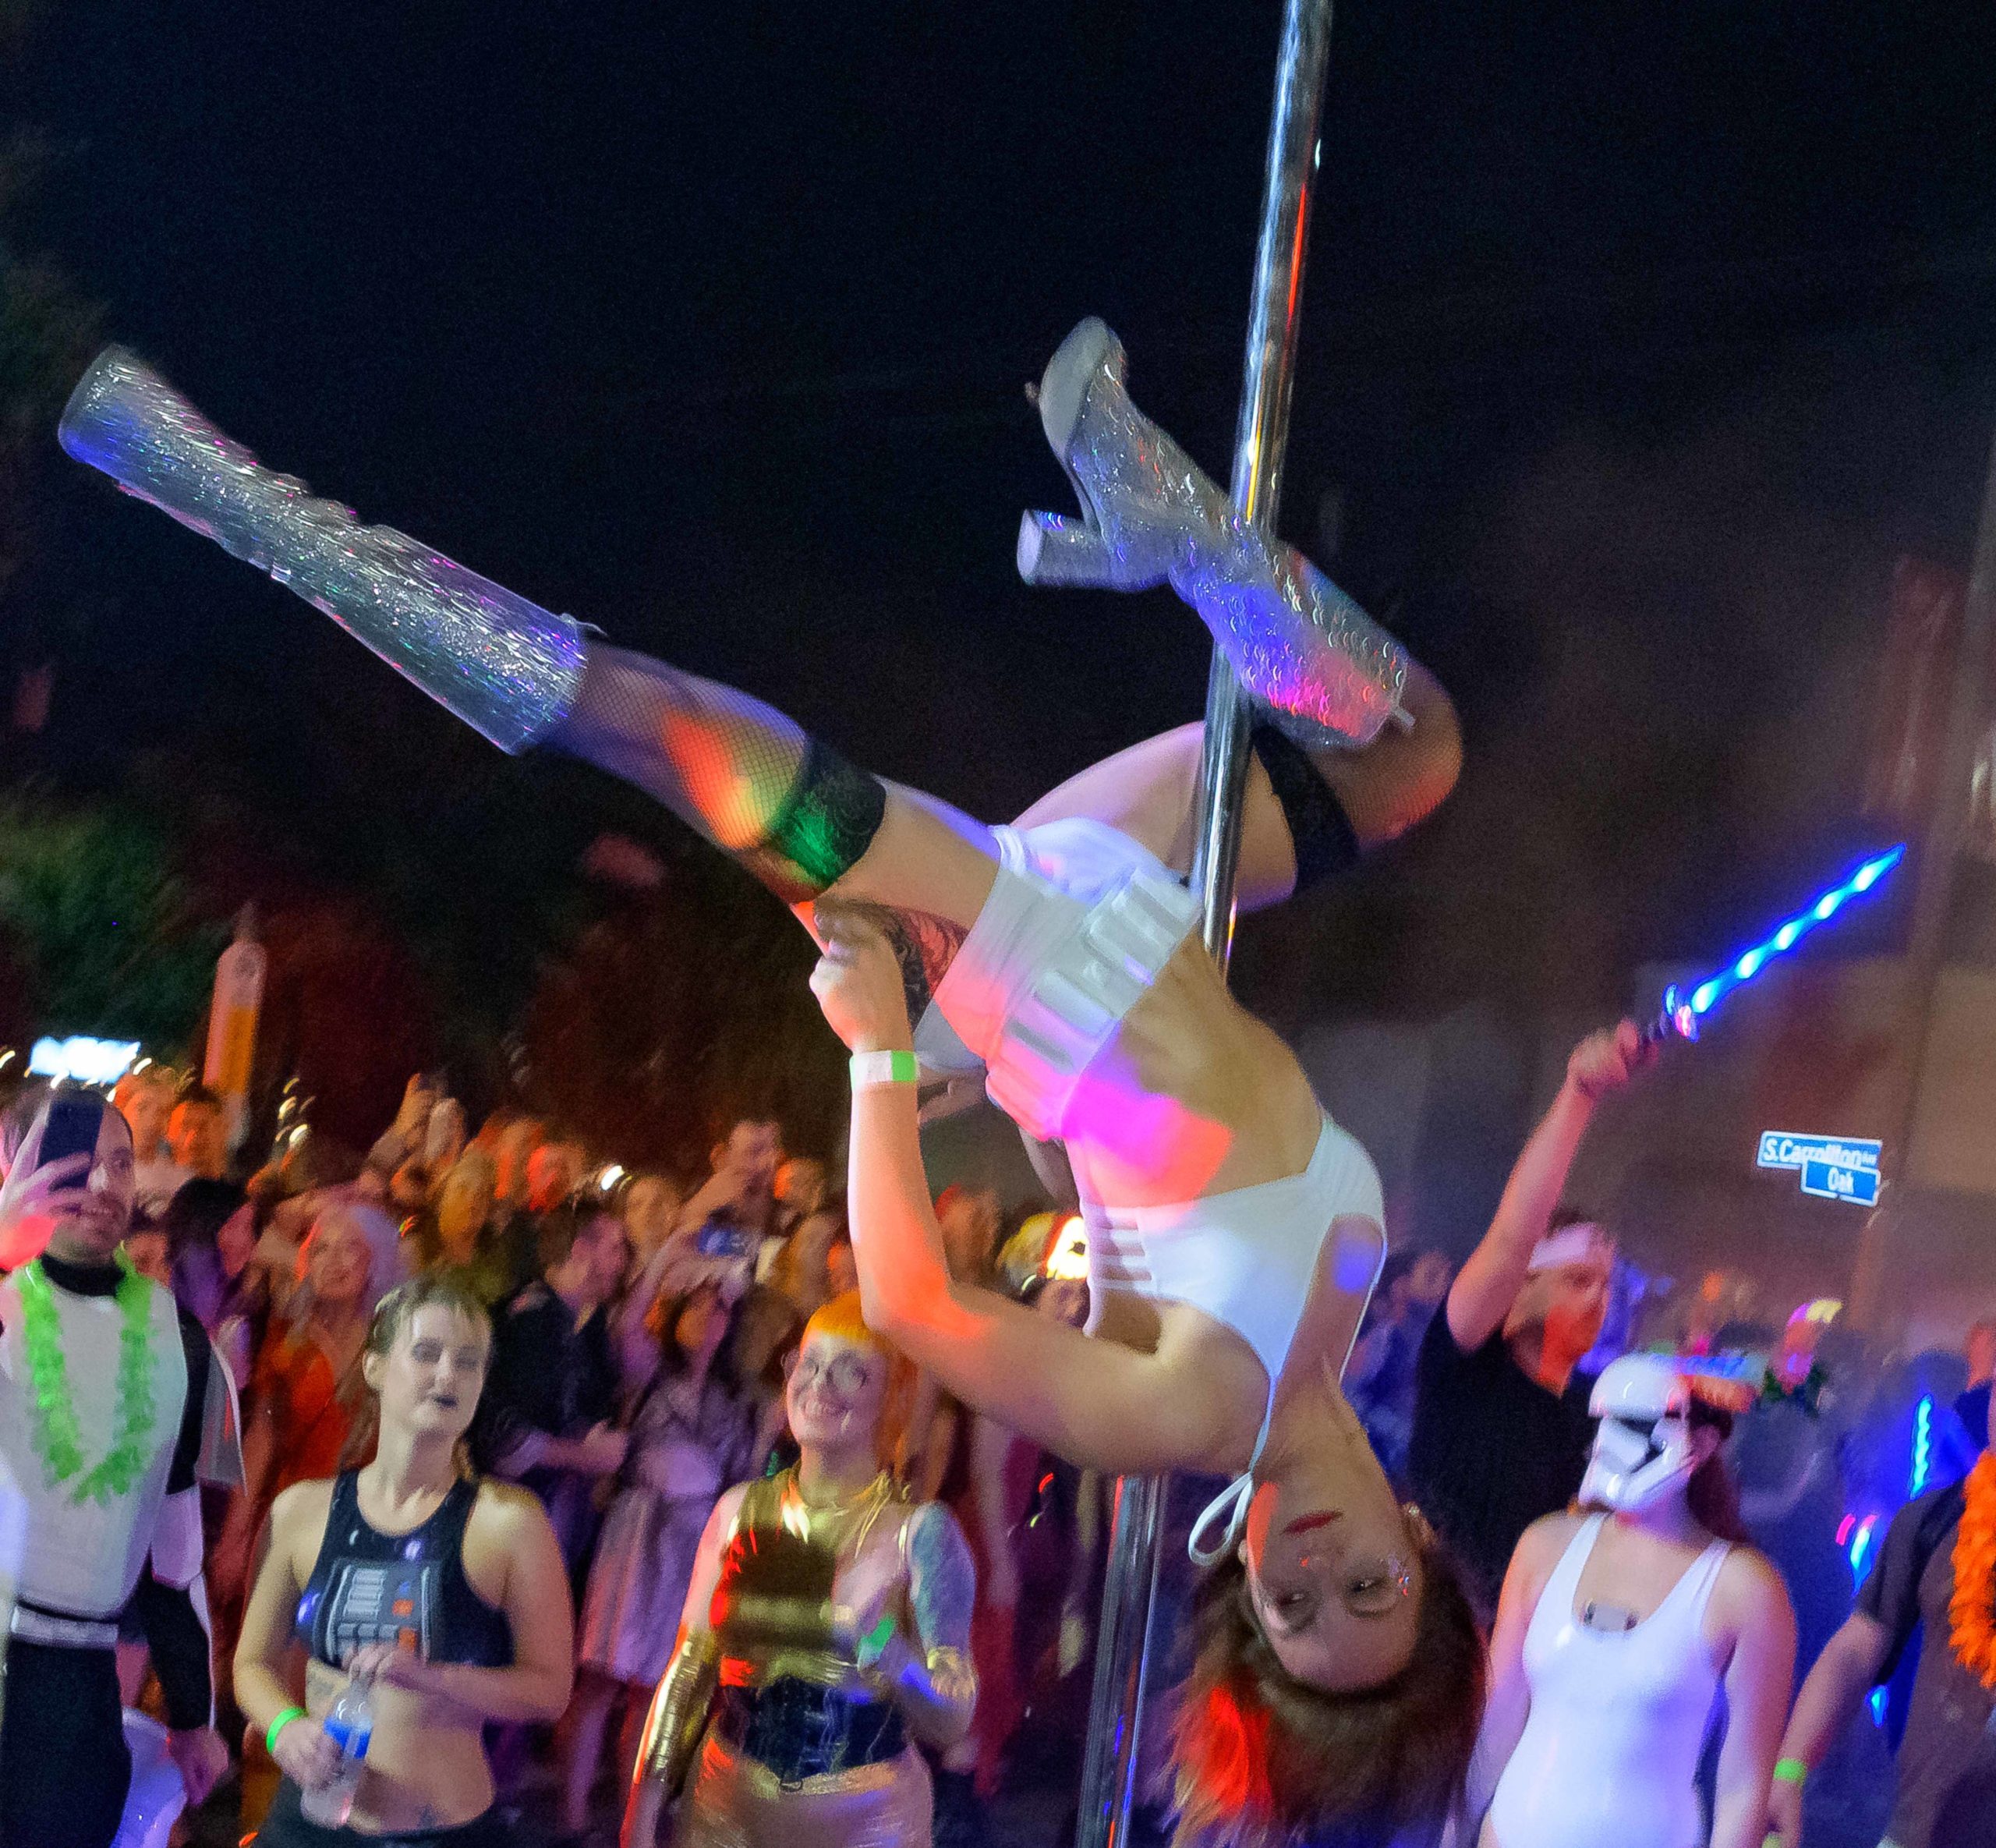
(1237, 1229)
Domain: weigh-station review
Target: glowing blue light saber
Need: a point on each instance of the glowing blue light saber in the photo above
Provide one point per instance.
(1682, 1012)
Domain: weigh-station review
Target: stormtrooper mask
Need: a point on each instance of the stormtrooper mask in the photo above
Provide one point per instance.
(1642, 1449)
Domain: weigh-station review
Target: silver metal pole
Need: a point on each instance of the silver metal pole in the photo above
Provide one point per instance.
(1261, 438)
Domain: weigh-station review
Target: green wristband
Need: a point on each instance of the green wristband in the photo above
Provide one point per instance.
(1791, 1771)
(872, 1069)
(873, 1645)
(277, 1726)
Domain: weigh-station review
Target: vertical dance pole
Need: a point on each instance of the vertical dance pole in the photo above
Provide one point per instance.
(1261, 436)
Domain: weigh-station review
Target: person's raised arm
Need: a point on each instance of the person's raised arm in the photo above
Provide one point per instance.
(1487, 1286)
(1099, 1405)
(1754, 1603)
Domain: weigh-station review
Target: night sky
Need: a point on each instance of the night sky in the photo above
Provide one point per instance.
(1638, 341)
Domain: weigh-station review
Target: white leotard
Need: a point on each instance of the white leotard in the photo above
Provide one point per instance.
(1609, 1756)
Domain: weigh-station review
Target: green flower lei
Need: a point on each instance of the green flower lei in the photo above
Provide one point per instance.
(58, 1440)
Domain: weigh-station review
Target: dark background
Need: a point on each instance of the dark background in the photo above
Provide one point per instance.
(1639, 342)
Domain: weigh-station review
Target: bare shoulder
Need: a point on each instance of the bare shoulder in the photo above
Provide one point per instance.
(727, 1509)
(1749, 1585)
(504, 1511)
(298, 1525)
(1540, 1546)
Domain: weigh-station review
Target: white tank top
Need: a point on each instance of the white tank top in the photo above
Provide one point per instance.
(1609, 1755)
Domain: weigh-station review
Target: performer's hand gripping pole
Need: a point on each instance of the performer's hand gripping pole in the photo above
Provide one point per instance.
(1261, 436)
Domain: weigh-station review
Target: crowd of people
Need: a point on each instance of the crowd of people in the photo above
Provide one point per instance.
(584, 1385)
(750, 1472)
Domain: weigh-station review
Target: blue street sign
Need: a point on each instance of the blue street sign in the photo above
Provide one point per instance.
(1827, 1182)
(1781, 1149)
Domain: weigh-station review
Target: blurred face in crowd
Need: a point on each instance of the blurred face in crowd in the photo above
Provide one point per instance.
(835, 1392)
(753, 1152)
(517, 1141)
(800, 1185)
(649, 1209)
(969, 1219)
(88, 1214)
(235, 1240)
(598, 1258)
(464, 1204)
(1575, 1297)
(198, 1132)
(337, 1260)
(701, 1325)
(430, 1379)
(146, 1253)
(554, 1170)
(410, 1187)
(1428, 1281)
(145, 1098)
(1979, 1351)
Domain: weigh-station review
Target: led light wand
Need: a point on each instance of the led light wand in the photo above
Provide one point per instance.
(1680, 1014)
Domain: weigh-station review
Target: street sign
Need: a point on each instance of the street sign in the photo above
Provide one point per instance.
(1826, 1181)
(1830, 1167)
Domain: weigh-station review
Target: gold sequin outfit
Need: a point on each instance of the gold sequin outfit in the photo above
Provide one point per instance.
(755, 1705)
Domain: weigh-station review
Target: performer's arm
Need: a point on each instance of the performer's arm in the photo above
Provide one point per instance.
(1098, 1404)
(1758, 1681)
(1488, 1284)
(508, 1530)
(685, 1692)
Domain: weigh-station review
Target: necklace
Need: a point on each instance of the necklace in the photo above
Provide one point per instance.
(1972, 1610)
(58, 1438)
(832, 1524)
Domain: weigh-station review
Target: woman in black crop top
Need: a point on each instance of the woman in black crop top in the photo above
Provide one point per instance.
(445, 1593)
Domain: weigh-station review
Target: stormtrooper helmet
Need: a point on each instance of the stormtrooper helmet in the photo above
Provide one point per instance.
(1642, 1447)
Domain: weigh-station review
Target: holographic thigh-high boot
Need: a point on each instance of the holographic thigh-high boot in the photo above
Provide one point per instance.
(1327, 672)
(738, 772)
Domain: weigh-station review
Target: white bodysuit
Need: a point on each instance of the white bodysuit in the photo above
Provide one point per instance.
(1609, 1754)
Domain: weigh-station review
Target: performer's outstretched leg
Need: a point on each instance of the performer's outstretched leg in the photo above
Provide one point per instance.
(786, 806)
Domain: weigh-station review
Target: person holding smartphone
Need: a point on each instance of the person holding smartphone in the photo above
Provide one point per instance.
(113, 1407)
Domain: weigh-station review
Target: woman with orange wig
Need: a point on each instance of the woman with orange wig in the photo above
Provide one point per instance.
(826, 1635)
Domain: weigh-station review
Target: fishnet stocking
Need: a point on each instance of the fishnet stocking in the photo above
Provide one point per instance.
(737, 772)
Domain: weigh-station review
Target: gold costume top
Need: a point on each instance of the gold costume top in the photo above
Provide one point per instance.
(770, 1640)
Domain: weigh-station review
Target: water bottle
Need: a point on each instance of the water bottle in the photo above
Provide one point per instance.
(350, 1725)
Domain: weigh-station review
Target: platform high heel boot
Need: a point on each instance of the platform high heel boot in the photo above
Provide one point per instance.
(1325, 670)
(508, 668)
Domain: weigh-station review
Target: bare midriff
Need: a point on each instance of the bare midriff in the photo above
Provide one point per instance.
(1193, 1096)
(426, 1766)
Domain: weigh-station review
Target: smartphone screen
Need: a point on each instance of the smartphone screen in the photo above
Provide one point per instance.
(71, 1129)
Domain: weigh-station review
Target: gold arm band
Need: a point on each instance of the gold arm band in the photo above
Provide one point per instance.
(679, 1711)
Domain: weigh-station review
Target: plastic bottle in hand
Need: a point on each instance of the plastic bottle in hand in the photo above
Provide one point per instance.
(350, 1725)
